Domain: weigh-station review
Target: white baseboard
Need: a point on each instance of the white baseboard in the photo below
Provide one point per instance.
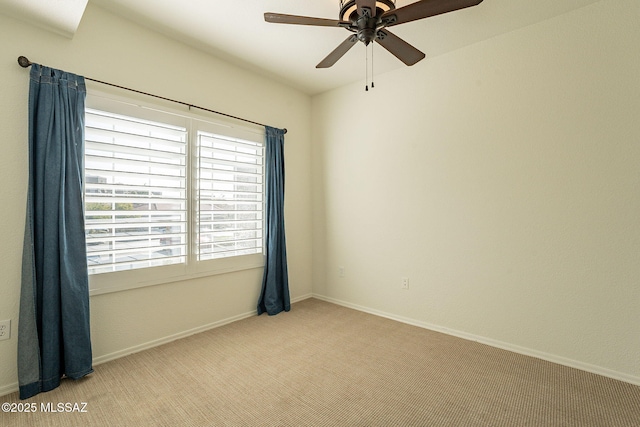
(8, 389)
(150, 344)
(145, 346)
(301, 298)
(491, 342)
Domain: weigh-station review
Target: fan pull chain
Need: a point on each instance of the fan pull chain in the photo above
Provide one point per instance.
(366, 69)
(372, 85)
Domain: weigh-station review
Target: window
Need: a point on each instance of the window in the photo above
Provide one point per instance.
(168, 196)
(229, 195)
(135, 193)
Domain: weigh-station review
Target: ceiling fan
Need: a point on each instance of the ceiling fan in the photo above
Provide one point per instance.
(368, 20)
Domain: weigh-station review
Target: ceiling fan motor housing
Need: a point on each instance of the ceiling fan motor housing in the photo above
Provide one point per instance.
(349, 9)
(366, 24)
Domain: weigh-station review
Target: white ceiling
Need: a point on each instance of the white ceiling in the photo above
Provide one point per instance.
(236, 32)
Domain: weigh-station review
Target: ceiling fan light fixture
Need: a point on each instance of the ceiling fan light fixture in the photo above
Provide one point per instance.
(348, 8)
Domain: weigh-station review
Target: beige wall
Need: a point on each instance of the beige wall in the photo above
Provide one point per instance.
(114, 50)
(504, 180)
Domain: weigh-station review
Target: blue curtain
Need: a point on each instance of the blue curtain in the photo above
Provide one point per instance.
(274, 296)
(53, 333)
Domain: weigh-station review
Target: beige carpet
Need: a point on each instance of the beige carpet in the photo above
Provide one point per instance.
(326, 365)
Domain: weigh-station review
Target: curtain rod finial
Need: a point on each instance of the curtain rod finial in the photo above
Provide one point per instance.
(285, 130)
(23, 61)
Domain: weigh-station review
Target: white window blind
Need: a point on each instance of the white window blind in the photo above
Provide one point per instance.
(229, 197)
(135, 192)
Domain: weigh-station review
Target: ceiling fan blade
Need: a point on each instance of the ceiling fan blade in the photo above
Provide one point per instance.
(338, 52)
(398, 47)
(279, 18)
(371, 4)
(424, 9)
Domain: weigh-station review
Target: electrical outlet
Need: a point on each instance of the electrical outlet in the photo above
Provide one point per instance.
(405, 283)
(341, 271)
(5, 329)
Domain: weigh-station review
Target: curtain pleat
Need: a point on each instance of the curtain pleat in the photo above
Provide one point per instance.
(54, 332)
(274, 296)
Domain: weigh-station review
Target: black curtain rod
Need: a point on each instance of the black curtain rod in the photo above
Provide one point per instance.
(25, 63)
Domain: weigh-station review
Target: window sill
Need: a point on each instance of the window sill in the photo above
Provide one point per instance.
(102, 285)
